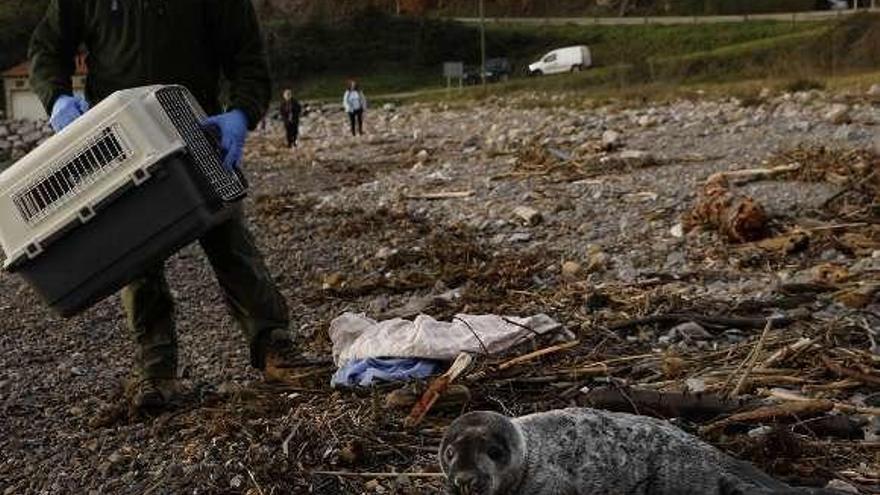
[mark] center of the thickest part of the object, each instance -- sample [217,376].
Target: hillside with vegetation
[394,54]
[17,20]
[324,43]
[307,8]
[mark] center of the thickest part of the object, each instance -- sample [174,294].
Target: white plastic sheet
[355,336]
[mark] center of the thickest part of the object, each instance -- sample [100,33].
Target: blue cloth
[363,372]
[65,110]
[233,128]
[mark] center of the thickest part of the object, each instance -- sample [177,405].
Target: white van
[568,59]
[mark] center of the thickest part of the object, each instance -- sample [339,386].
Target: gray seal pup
[590,452]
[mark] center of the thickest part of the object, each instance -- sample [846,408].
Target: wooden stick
[826,444]
[793,409]
[349,474]
[437,388]
[442,195]
[837,226]
[753,359]
[752,174]
[838,406]
[839,385]
[662,404]
[849,187]
[540,353]
[846,372]
[786,352]
[705,320]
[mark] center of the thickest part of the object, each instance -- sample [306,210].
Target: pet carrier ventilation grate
[176,103]
[54,187]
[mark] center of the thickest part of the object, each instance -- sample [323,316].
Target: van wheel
[576,68]
[536,73]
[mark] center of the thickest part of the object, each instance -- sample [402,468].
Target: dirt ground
[345,226]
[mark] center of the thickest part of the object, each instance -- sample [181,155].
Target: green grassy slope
[395,55]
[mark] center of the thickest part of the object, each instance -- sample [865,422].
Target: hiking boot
[285,364]
[151,393]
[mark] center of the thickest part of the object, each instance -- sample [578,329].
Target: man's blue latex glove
[65,110]
[233,128]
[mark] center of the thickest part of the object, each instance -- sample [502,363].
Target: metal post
[482,43]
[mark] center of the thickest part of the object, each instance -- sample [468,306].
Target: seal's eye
[495,453]
[449,453]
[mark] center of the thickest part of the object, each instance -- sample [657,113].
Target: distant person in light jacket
[355,104]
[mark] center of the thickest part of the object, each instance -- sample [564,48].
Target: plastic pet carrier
[122,188]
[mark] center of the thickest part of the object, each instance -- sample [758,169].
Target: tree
[417,8]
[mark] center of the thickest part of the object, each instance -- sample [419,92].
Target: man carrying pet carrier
[195,43]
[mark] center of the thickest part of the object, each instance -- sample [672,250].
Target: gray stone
[691,331]
[801,126]
[528,215]
[850,133]
[4,130]
[838,114]
[874,90]
[32,137]
[840,485]
[611,139]
[865,265]
[472,142]
[647,121]
[26,127]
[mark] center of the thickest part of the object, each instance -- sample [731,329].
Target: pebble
[520,237]
[838,114]
[611,139]
[237,482]
[571,269]
[842,486]
[598,262]
[529,215]
[849,133]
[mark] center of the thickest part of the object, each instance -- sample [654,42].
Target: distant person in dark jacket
[355,104]
[290,113]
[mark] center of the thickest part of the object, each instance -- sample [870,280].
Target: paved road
[667,20]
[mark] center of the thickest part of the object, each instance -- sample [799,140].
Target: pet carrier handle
[212,133]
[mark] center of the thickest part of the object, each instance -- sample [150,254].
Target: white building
[21,102]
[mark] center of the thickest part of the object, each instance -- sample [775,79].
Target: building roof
[23,69]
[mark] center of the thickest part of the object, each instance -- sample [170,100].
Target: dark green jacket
[134,43]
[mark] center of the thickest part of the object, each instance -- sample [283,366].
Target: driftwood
[849,373]
[796,410]
[786,352]
[535,355]
[789,243]
[704,320]
[752,360]
[405,398]
[438,387]
[740,177]
[736,216]
[834,425]
[842,407]
[441,195]
[693,406]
